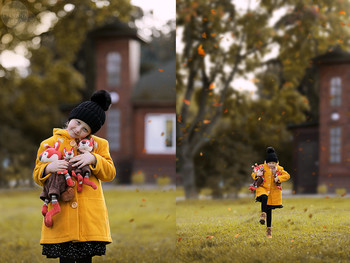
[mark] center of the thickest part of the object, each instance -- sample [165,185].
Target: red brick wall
[154,165]
[334,175]
[103,47]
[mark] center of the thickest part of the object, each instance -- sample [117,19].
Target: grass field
[305,230]
[142,223]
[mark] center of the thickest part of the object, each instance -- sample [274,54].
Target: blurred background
[54,54]
[253,74]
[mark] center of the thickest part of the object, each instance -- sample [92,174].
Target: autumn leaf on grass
[179,239]
[206,121]
[201,50]
[208,237]
[131,220]
[143,200]
[237,235]
[342,12]
[213,11]
[310,216]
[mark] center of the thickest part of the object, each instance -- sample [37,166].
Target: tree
[222,42]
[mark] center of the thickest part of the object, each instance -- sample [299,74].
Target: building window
[335,145]
[113,129]
[160,133]
[335,91]
[114,61]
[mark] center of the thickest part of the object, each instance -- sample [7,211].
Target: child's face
[78,129]
[272,165]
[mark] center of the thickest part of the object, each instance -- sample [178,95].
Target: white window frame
[156,133]
[113,69]
[335,91]
[335,145]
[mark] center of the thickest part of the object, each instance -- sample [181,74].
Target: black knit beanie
[271,155]
[93,112]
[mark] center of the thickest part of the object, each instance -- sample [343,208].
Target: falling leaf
[225,111]
[324,227]
[161,70]
[143,200]
[213,34]
[187,102]
[327,197]
[292,241]
[201,154]
[201,50]
[217,104]
[143,150]
[213,11]
[292,207]
[206,121]
[342,23]
[259,118]
[237,235]
[310,216]
[229,209]
[254,80]
[131,220]
[209,237]
[211,86]
[179,118]
[342,12]
[162,134]
[204,35]
[342,195]
[155,175]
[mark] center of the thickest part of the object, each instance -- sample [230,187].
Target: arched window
[335,91]
[114,62]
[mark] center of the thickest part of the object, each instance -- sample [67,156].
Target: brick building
[140,124]
[322,148]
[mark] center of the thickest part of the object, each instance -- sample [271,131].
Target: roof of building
[116,28]
[333,55]
[157,86]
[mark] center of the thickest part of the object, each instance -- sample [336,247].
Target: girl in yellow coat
[269,193]
[80,230]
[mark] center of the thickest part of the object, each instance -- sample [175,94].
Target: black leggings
[82,260]
[266,209]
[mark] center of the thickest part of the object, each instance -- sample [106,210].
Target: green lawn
[305,230]
[142,224]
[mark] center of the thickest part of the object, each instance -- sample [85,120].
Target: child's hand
[56,166]
[83,159]
[276,179]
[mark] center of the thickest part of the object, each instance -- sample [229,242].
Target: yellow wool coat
[85,217]
[269,187]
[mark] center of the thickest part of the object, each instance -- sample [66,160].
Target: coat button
[73,183]
[74,205]
[73,143]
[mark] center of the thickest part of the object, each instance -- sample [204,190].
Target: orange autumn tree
[220,41]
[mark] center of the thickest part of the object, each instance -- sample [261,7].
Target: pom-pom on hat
[93,112]
[271,155]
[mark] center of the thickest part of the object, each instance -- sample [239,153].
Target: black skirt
[75,250]
[258,199]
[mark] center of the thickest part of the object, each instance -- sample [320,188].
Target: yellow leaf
[204,35]
[211,86]
[206,121]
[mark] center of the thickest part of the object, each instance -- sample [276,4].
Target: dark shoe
[262,218]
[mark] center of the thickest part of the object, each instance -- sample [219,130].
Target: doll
[56,186]
[259,169]
[85,145]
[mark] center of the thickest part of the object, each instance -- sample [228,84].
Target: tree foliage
[223,41]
